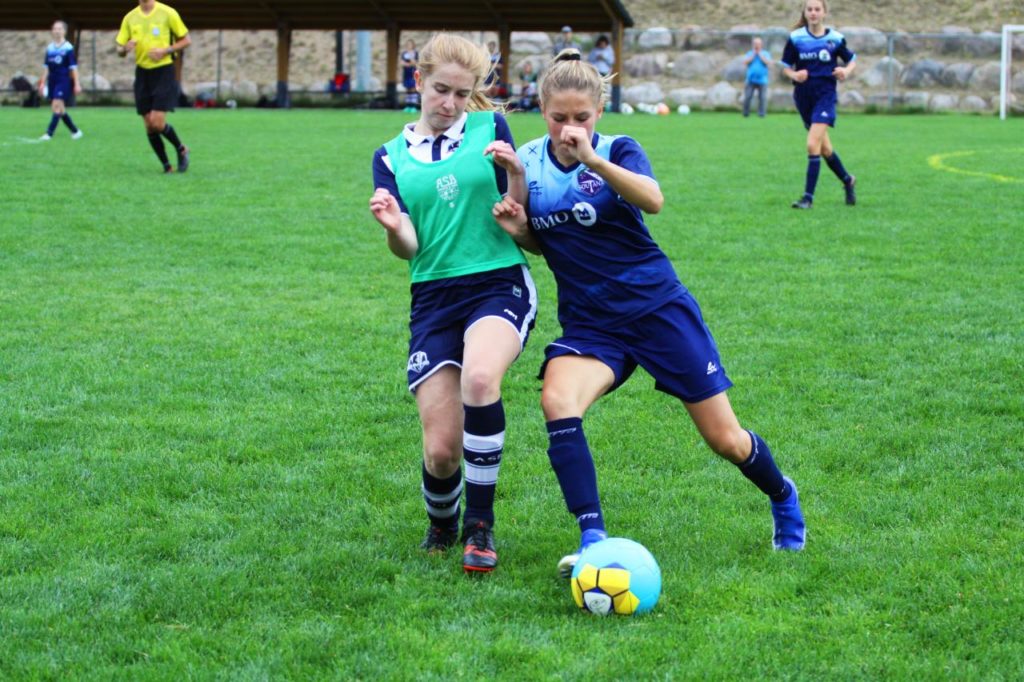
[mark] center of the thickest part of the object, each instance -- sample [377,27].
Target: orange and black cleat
[479,555]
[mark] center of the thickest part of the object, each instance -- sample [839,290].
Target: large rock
[245,89]
[645,93]
[775,38]
[691,65]
[531,42]
[657,38]
[943,102]
[917,100]
[735,71]
[955,38]
[957,75]
[101,84]
[646,65]
[986,77]
[740,37]
[851,98]
[694,38]
[922,74]
[904,43]
[721,94]
[985,44]
[878,75]
[974,103]
[865,40]
[687,96]
[1018,82]
[780,99]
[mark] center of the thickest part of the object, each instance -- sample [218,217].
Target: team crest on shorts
[418,361]
[448,188]
[590,182]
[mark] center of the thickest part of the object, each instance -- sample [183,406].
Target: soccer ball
[683,109]
[626,108]
[616,576]
[661,109]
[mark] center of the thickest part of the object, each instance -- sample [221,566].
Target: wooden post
[618,30]
[394,34]
[284,51]
[505,48]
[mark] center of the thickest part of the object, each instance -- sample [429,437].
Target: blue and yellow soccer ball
[616,576]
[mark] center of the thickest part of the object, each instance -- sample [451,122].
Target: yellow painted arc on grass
[938,162]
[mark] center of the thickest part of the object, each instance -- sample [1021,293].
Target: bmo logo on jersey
[585,214]
[822,55]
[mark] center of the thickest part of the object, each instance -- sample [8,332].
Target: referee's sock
[172,137]
[68,122]
[52,128]
[837,167]
[761,470]
[158,146]
[813,168]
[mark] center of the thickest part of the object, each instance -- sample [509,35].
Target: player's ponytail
[446,48]
[802,22]
[567,71]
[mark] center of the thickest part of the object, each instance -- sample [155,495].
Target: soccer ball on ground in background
[661,109]
[683,109]
[616,576]
[626,108]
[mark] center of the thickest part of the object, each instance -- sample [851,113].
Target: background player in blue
[410,57]
[473,301]
[61,78]
[620,302]
[811,59]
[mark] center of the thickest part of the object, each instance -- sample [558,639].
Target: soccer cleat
[479,555]
[168,169]
[183,158]
[568,562]
[439,539]
[803,203]
[790,532]
[851,196]
[77,135]
[45,137]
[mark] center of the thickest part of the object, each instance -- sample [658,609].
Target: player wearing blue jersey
[60,79]
[410,56]
[473,301]
[620,302]
[811,60]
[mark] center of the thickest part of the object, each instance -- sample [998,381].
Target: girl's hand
[78,88]
[505,156]
[840,73]
[511,216]
[577,142]
[385,209]
[800,76]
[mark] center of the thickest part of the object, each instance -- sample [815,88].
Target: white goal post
[1005,77]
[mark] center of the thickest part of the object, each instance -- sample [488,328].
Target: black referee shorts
[155,89]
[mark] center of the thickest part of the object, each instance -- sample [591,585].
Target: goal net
[1008,100]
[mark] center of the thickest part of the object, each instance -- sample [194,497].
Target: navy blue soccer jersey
[818,54]
[427,149]
[608,268]
[60,60]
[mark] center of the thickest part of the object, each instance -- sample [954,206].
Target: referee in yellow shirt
[154,33]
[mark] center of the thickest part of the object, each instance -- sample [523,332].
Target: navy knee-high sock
[69,123]
[483,440]
[574,466]
[760,468]
[52,128]
[813,168]
[158,146]
[837,167]
[441,497]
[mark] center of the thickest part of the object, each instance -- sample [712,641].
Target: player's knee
[442,456]
[480,385]
[732,444]
[558,403]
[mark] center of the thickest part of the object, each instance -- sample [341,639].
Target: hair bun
[568,55]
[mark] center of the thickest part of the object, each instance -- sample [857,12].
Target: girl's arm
[637,189]
[401,234]
[42,81]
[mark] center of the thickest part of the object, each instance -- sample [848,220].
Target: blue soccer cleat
[568,562]
[790,532]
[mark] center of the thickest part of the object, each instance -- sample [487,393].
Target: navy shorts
[59,88]
[672,343]
[408,79]
[816,102]
[155,89]
[443,310]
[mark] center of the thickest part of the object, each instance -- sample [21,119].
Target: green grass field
[209,463]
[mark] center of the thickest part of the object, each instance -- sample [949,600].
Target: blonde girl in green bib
[473,301]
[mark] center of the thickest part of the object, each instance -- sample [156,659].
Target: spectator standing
[565,41]
[757,61]
[410,61]
[527,87]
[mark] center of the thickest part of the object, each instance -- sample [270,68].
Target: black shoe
[183,156]
[439,538]
[804,202]
[851,196]
[479,555]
